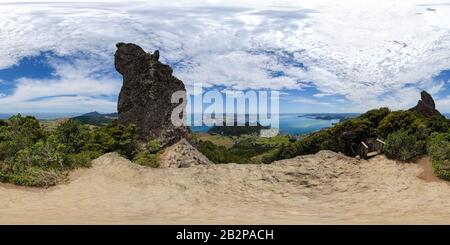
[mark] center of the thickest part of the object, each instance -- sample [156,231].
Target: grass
[216,139]
[240,149]
[277,140]
[51,124]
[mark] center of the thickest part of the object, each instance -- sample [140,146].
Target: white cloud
[311,102]
[75,89]
[64,104]
[371,52]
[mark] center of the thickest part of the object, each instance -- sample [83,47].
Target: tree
[114,137]
[438,146]
[403,146]
[72,134]
[375,116]
[396,120]
[18,133]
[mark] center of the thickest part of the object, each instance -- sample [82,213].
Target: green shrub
[19,133]
[82,159]
[3,123]
[442,168]
[375,116]
[438,124]
[396,120]
[73,135]
[31,156]
[34,176]
[438,146]
[402,146]
[153,146]
[114,138]
[149,156]
[266,157]
[216,153]
[145,158]
[245,149]
[344,137]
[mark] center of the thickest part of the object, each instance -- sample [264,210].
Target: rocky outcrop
[145,97]
[426,106]
[182,155]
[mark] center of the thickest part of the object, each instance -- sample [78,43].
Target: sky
[322,55]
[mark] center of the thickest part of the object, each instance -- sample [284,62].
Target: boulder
[182,155]
[145,97]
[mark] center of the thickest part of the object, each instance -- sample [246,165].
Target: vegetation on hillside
[96,119]
[33,156]
[237,130]
[149,156]
[405,134]
[245,149]
[439,152]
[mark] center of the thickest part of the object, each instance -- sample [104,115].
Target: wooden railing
[363,150]
[378,145]
[372,148]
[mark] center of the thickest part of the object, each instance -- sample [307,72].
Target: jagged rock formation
[426,106]
[182,155]
[145,97]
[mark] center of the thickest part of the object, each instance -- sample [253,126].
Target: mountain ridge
[95,118]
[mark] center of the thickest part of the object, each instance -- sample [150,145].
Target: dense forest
[31,155]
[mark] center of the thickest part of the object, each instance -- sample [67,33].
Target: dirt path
[428,173]
[316,189]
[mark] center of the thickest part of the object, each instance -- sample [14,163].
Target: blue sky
[323,56]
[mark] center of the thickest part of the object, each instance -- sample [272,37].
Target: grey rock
[184,164]
[145,97]
[426,106]
[182,155]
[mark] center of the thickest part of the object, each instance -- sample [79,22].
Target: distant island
[237,130]
[331,116]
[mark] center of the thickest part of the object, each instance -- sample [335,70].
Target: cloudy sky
[323,55]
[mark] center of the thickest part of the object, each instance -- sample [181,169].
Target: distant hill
[331,116]
[237,130]
[41,115]
[95,118]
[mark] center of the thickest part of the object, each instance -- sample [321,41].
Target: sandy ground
[326,188]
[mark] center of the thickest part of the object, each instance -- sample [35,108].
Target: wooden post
[363,150]
[379,145]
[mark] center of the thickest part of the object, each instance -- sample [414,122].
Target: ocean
[298,124]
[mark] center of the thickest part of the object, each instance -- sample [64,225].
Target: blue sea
[301,124]
[295,124]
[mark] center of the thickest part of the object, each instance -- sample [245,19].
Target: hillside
[237,130]
[96,119]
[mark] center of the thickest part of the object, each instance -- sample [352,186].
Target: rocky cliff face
[145,97]
[426,106]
